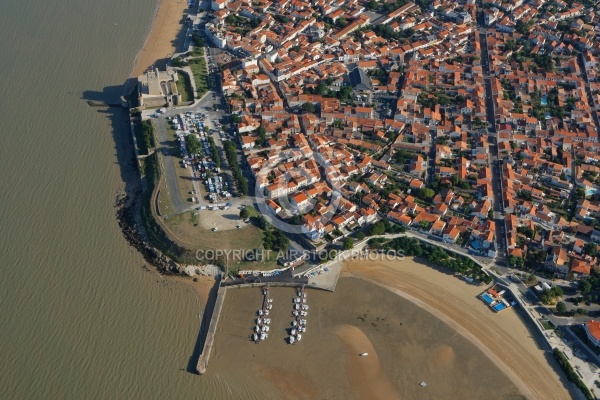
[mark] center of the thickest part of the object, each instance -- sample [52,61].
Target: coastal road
[166,159]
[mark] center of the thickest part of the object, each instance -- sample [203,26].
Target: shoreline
[497,335]
[159,43]
[525,391]
[161,38]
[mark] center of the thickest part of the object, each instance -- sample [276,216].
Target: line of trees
[572,376]
[414,247]
[230,153]
[215,152]
[148,132]
[273,238]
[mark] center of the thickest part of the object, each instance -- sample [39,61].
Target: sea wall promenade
[211,331]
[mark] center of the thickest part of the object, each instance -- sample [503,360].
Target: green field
[198,66]
[184,87]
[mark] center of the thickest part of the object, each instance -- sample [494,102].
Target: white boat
[303,313]
[364,354]
[263,336]
[303,322]
[423,384]
[291,339]
[293,332]
[266,312]
[294,323]
[260,312]
[298,337]
[266,328]
[297,306]
[304,295]
[267,321]
[259,320]
[269,306]
[296,299]
[302,329]
[257,328]
[305,307]
[295,313]
[255,337]
[270,300]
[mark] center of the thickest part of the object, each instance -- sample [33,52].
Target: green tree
[591,249]
[244,213]
[308,107]
[585,287]
[262,136]
[341,22]
[361,235]
[348,244]
[377,229]
[428,193]
[561,307]
[193,144]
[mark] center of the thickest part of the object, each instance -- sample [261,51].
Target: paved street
[495,164]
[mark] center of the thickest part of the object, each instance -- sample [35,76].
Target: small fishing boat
[364,354]
[291,339]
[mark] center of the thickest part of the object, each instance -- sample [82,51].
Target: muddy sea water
[80,318]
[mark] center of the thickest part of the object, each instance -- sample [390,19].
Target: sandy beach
[502,336]
[160,43]
[406,346]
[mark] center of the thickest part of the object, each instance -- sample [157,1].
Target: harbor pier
[211,331]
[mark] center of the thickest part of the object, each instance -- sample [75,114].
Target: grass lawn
[546,324]
[165,206]
[184,87]
[198,51]
[187,234]
[198,66]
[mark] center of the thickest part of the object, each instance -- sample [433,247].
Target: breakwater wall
[211,331]
[276,284]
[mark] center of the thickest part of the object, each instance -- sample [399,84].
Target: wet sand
[406,345]
[503,336]
[160,41]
